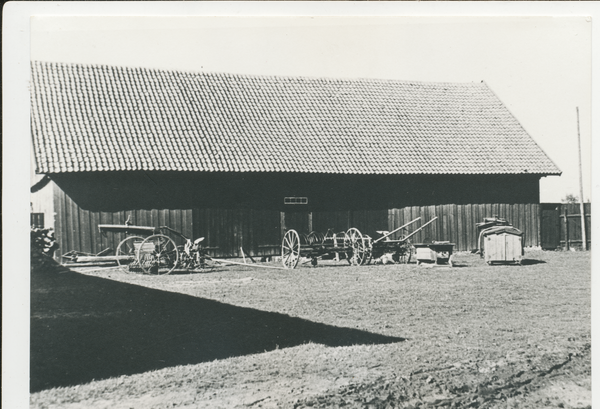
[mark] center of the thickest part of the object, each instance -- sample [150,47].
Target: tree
[570,198]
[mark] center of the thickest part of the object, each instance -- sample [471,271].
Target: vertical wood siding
[560,232]
[77,228]
[570,231]
[227,231]
[457,223]
[258,232]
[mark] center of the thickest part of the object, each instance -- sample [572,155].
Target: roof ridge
[305,77]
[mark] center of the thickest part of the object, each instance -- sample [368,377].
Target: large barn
[239,159]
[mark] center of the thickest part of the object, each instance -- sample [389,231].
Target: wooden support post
[566,223]
[582,207]
[539,225]
[282,223]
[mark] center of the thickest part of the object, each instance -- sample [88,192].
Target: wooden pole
[395,230]
[581,206]
[420,228]
[216,260]
[566,222]
[100,259]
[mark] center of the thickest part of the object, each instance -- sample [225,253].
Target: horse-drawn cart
[349,245]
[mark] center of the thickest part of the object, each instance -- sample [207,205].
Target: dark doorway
[550,228]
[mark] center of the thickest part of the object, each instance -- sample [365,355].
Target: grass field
[331,336]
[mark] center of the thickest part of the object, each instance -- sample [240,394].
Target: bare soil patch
[371,336]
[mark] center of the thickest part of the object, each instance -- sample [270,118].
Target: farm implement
[151,250]
[349,245]
[400,248]
[357,248]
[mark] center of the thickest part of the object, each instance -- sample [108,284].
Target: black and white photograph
[292,211]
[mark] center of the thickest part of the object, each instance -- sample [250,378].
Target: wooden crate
[503,247]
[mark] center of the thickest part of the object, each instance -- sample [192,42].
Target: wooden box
[504,246]
[425,254]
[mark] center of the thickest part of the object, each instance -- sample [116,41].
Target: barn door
[550,227]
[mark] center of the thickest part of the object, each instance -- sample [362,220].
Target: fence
[561,225]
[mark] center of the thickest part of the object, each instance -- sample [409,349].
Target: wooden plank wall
[225,230]
[335,220]
[570,231]
[77,228]
[457,223]
[367,221]
[258,232]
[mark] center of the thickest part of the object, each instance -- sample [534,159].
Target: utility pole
[581,206]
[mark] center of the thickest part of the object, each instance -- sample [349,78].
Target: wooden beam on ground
[100,259]
[244,264]
[96,264]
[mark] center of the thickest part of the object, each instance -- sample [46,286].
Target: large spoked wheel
[127,252]
[357,250]
[290,249]
[158,255]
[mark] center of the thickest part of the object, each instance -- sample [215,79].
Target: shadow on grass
[85,328]
[530,262]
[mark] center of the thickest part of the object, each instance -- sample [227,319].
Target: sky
[540,67]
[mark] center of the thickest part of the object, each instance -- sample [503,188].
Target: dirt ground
[381,336]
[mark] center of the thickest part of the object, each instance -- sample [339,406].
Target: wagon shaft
[385,236]
[401,249]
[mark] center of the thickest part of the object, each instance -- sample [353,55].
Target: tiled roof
[104,118]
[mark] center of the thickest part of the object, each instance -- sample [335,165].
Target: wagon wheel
[126,251]
[368,249]
[158,255]
[357,252]
[290,249]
